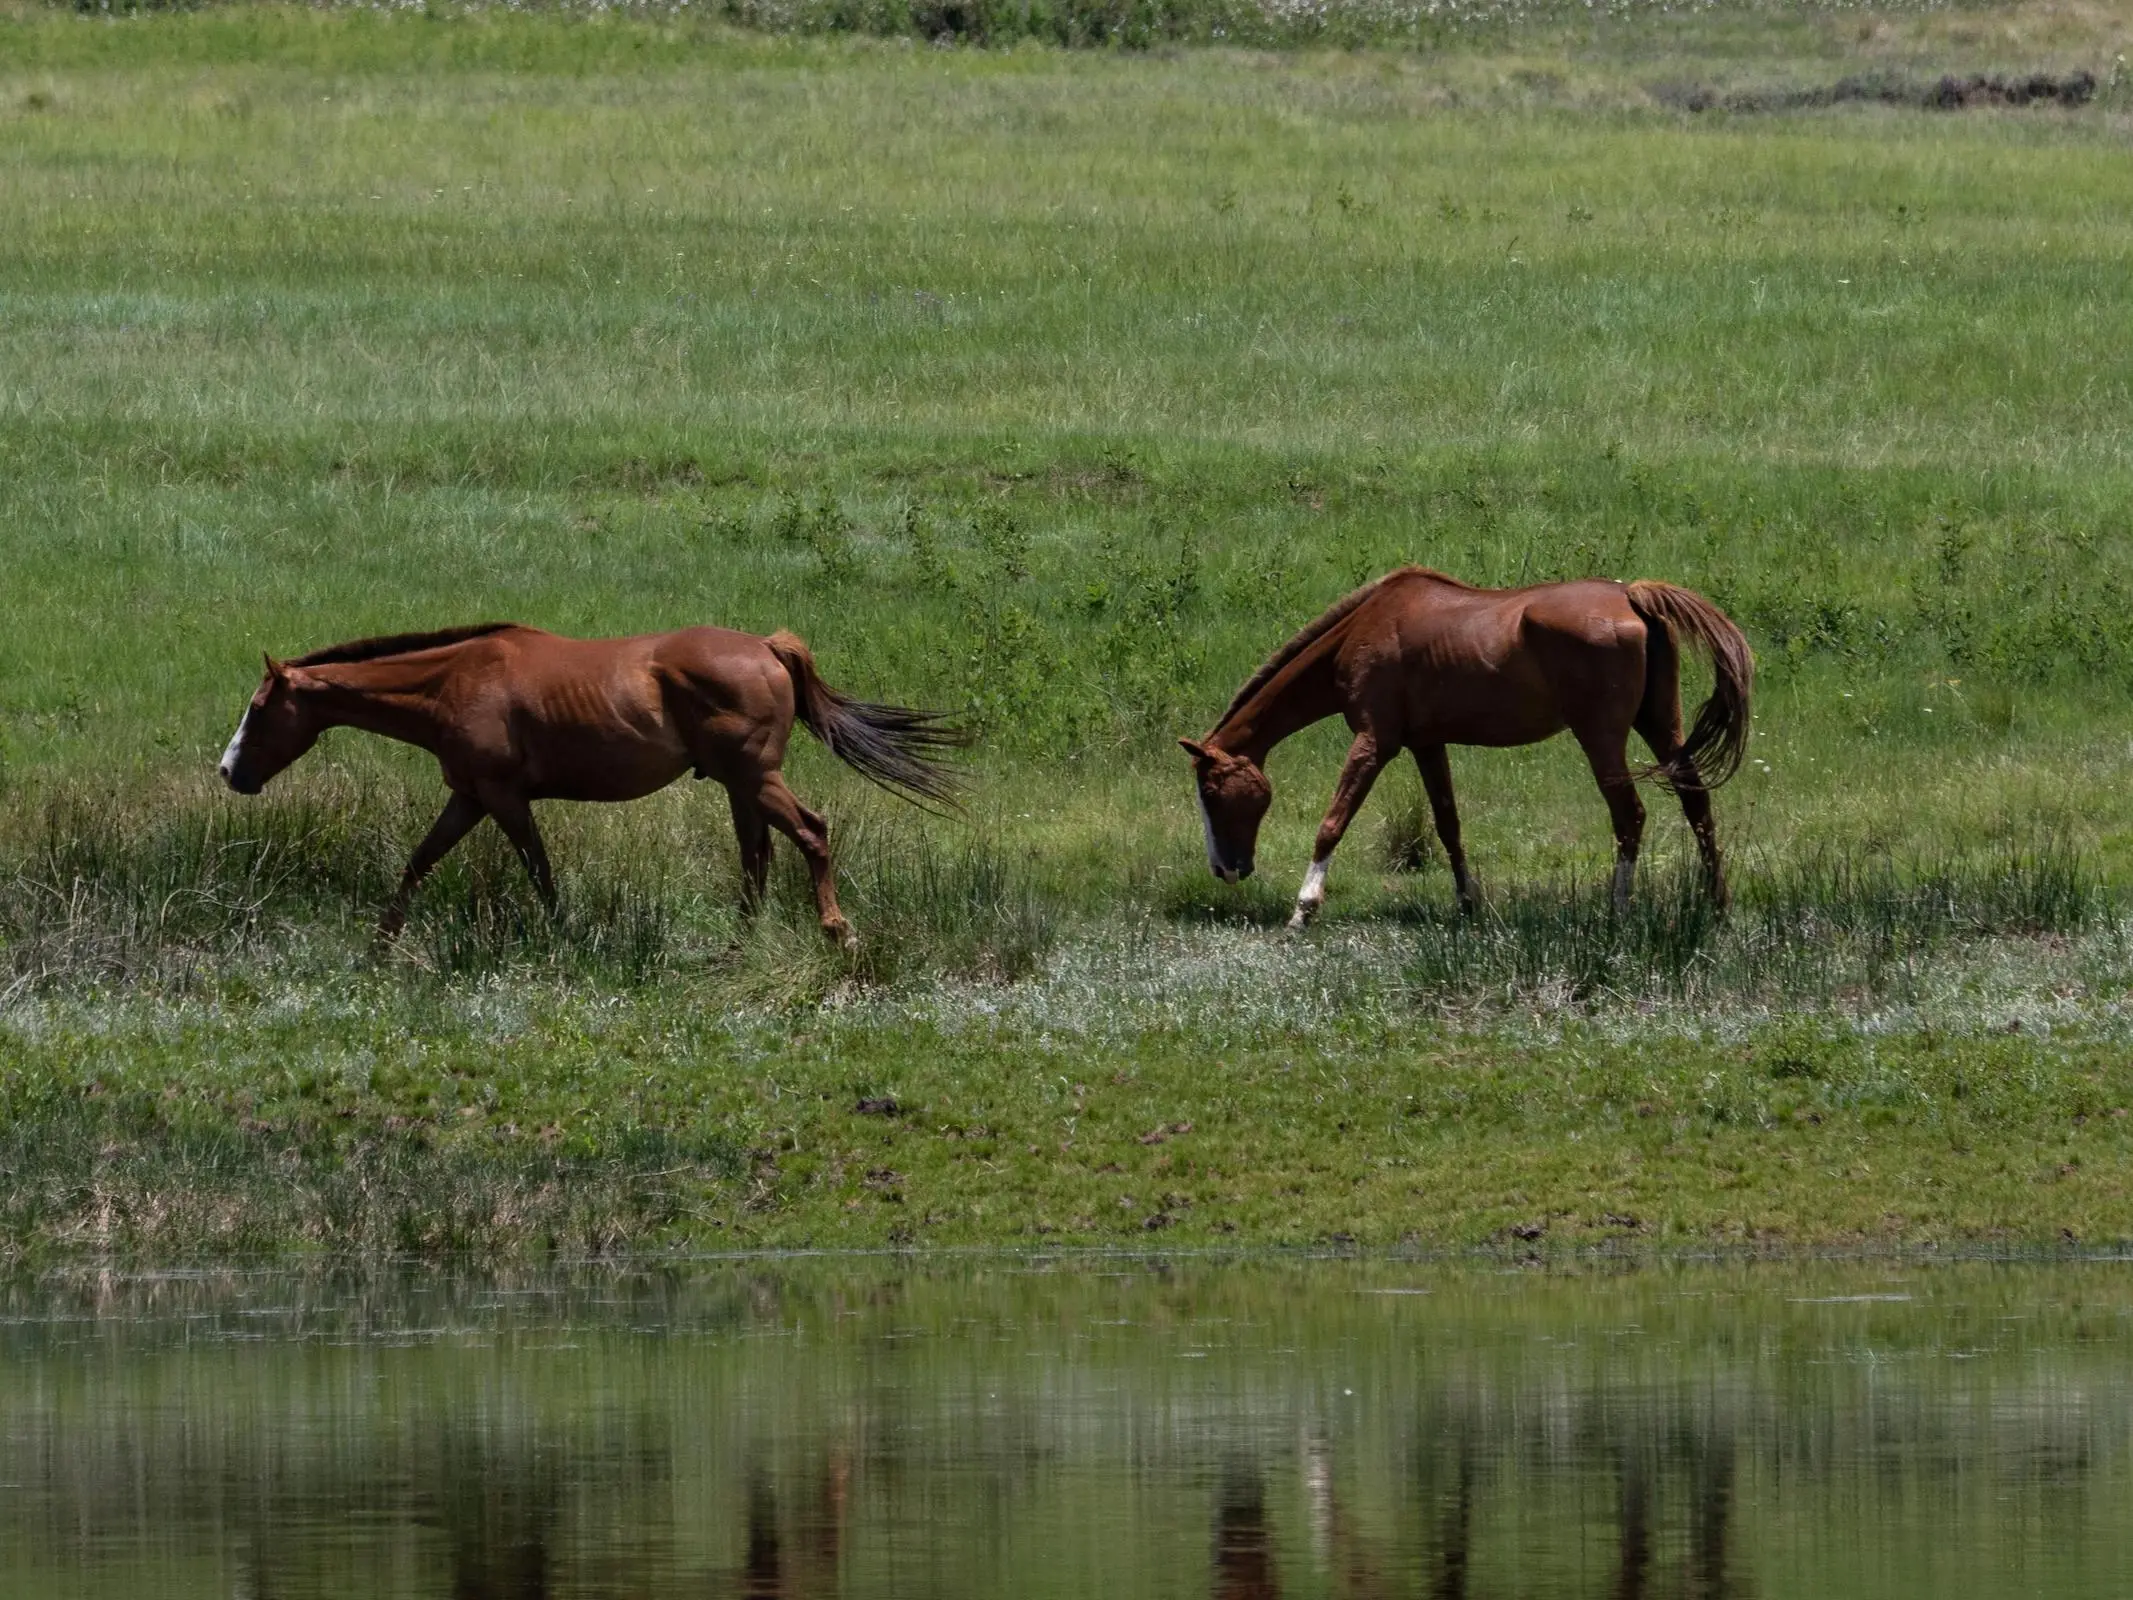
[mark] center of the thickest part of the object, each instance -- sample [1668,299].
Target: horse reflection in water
[1710,1485]
[1649,1481]
[1244,1547]
[499,1502]
[780,1568]
[1245,1556]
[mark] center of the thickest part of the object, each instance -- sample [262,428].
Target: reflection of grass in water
[1515,1422]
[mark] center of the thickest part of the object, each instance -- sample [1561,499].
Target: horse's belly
[597,771]
[609,787]
[1496,726]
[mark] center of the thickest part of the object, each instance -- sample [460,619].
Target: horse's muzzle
[228,775]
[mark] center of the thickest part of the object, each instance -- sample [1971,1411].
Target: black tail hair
[893,746]
[1719,738]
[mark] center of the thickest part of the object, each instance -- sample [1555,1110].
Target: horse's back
[1449,623]
[1508,666]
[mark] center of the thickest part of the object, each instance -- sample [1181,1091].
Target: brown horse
[1418,661]
[514,715]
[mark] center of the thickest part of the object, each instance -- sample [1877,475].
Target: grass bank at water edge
[1055,387]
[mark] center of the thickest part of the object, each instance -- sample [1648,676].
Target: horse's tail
[1719,738]
[893,746]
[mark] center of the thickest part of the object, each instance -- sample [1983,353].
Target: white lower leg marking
[1311,896]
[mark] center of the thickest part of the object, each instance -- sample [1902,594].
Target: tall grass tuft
[1830,928]
[131,1172]
[104,891]
[94,891]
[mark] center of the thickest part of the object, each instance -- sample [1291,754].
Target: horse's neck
[1302,693]
[391,697]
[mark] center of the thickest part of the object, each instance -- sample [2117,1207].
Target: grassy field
[1057,386]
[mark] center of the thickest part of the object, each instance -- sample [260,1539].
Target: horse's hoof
[1300,921]
[841,934]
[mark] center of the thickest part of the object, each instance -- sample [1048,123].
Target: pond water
[1089,1427]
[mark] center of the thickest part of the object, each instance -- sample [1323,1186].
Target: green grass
[1057,387]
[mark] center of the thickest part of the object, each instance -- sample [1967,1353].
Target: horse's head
[277,727]
[1234,795]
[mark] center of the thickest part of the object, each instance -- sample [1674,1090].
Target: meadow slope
[1056,387]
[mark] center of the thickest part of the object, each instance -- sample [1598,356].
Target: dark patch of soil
[2039,88]
[1948,93]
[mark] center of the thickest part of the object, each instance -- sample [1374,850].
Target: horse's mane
[1316,629]
[397,644]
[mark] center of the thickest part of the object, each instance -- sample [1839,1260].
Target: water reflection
[803,1562]
[1244,1555]
[498,1504]
[1259,1431]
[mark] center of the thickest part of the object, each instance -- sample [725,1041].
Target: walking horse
[1419,661]
[514,715]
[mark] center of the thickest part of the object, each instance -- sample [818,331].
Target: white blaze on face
[236,745]
[1207,828]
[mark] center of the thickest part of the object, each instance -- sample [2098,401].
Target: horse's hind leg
[752,832]
[1366,759]
[453,824]
[782,809]
[1609,754]
[1437,783]
[1659,724]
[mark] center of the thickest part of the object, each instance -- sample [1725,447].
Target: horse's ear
[274,668]
[1195,749]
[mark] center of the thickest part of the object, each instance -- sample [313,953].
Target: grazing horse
[514,715]
[1418,661]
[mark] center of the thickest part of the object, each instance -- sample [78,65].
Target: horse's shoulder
[1421,586]
[1430,577]
[503,634]
[513,643]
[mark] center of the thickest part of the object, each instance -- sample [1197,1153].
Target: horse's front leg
[1437,783]
[1366,759]
[515,817]
[460,814]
